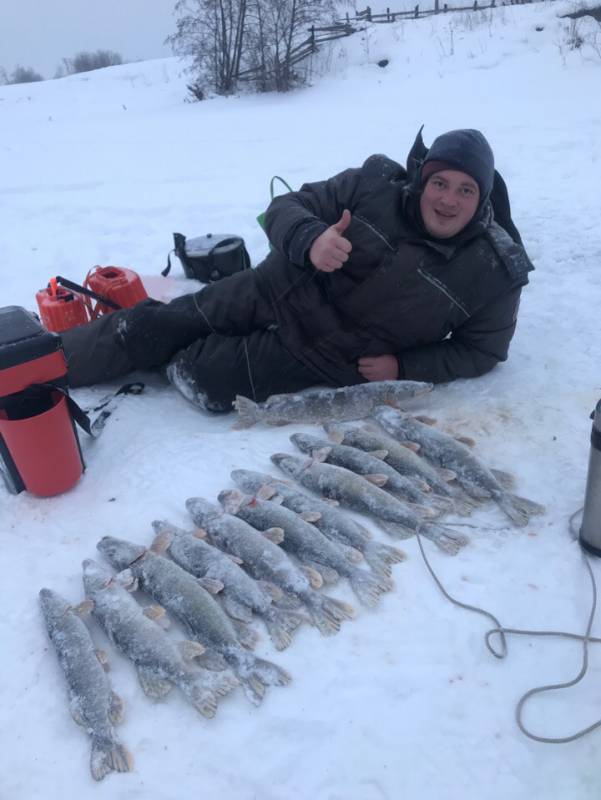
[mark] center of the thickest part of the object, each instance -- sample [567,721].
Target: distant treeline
[84,61]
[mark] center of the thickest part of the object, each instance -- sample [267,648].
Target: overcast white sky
[39,33]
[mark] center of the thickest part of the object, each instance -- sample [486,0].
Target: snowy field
[405,702]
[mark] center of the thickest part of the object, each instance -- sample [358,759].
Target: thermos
[590,531]
[39,448]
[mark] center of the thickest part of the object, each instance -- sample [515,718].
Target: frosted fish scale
[332,521]
[88,684]
[299,536]
[439,447]
[346,403]
[363,464]
[399,458]
[201,558]
[136,636]
[264,559]
[180,592]
[354,491]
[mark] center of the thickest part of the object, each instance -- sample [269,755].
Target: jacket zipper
[441,288]
[374,230]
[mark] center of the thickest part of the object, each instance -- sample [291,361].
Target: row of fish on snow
[264,551]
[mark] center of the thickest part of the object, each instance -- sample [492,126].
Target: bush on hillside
[24,75]
[86,61]
[257,42]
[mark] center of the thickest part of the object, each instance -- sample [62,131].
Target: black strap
[94,427]
[75,287]
[167,269]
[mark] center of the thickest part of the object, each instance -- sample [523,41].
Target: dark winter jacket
[446,308]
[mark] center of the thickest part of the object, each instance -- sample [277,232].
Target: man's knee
[152,332]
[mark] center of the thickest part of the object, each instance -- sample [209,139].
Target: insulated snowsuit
[445,308]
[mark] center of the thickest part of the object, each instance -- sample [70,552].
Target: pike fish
[356,493]
[379,444]
[92,703]
[205,621]
[160,663]
[321,405]
[241,594]
[445,451]
[266,561]
[376,471]
[307,543]
[332,522]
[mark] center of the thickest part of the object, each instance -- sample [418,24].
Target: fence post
[416,12]
[312,32]
[475,5]
[368,14]
[436,6]
[387,13]
[445,8]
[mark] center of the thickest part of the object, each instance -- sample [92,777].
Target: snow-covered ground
[405,702]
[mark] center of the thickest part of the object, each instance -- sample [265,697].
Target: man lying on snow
[376,274]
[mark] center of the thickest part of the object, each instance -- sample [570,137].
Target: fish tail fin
[327,613]
[381,556]
[256,674]
[444,538]
[529,506]
[463,507]
[203,700]
[396,529]
[109,756]
[518,509]
[204,691]
[443,504]
[280,625]
[271,674]
[369,587]
[253,688]
[248,412]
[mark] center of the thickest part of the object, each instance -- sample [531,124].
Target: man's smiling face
[448,202]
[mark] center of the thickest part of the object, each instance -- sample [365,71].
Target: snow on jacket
[446,308]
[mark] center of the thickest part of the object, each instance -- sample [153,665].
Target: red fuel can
[120,285]
[39,447]
[60,308]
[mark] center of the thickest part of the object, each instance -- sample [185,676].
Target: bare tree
[86,61]
[212,33]
[280,34]
[257,40]
[24,75]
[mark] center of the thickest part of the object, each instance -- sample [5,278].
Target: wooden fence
[354,24]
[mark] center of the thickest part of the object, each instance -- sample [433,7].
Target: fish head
[335,432]
[247,480]
[292,465]
[53,606]
[201,511]
[95,576]
[232,499]
[119,552]
[395,393]
[252,482]
[307,442]
[400,419]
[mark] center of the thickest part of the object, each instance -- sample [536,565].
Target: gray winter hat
[468,151]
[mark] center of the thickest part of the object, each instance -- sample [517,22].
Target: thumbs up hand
[330,250]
